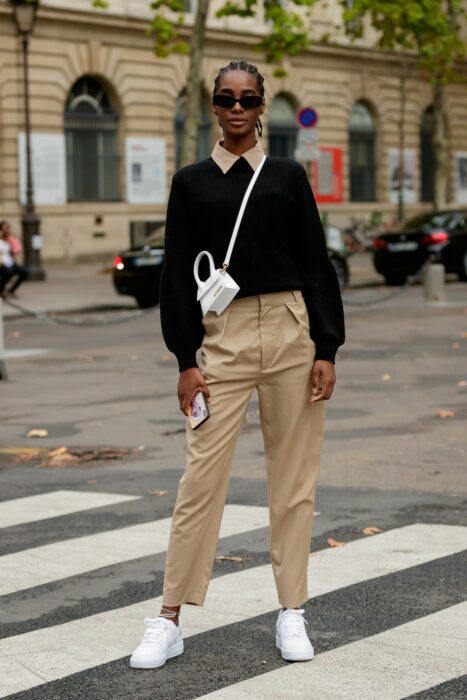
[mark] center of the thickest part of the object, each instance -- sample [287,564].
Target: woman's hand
[323,377]
[190,381]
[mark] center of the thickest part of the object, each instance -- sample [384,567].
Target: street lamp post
[24,12]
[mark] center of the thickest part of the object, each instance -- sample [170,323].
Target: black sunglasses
[246,102]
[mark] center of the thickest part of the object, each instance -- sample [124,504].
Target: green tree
[287,36]
[432,31]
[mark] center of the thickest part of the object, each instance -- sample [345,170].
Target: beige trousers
[260,342]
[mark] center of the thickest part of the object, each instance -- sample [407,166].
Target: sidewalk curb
[98,308]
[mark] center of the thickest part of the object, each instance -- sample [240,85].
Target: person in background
[10,269]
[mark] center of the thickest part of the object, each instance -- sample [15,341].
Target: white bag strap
[240,214]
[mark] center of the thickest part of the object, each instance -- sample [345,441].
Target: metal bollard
[3,372]
[433,282]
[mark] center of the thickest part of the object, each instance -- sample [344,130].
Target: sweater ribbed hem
[186,360]
[326,351]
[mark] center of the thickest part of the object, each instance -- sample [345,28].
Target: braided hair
[248,68]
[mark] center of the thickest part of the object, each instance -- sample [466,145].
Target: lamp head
[25,15]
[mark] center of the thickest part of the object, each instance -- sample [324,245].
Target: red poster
[327,175]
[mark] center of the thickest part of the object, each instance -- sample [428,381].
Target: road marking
[388,666]
[54,504]
[51,562]
[45,655]
[19,353]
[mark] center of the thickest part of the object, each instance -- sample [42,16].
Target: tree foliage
[431,28]
[287,35]
[165,30]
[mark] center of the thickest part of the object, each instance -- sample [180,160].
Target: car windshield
[156,238]
[441,219]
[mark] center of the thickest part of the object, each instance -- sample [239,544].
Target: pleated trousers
[259,342]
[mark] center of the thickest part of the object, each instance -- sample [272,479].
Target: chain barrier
[85,322]
[411,279]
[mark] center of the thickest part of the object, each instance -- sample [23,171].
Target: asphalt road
[387,612]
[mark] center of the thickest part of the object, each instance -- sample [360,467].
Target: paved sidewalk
[70,288]
[89,287]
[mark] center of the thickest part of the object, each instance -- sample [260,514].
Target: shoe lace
[293,620]
[155,629]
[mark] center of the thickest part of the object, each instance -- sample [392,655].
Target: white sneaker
[162,640]
[291,636]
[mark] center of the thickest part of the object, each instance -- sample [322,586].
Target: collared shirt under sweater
[280,245]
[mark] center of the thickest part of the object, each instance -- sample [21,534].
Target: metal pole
[433,282]
[31,223]
[3,372]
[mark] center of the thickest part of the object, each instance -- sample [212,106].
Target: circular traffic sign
[307,117]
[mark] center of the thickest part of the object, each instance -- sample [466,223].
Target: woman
[279,335]
[10,247]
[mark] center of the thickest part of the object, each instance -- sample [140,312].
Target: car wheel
[462,274]
[146,302]
[341,271]
[395,280]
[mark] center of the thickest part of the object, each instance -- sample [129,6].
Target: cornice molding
[216,36]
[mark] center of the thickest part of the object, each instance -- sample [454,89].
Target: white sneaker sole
[294,655]
[173,651]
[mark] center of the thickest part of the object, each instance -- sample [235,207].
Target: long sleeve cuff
[326,350]
[186,360]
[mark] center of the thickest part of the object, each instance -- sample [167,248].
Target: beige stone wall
[325,18]
[144,90]
[113,47]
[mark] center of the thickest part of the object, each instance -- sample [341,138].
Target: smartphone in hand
[199,410]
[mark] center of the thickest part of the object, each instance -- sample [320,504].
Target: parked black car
[441,237]
[137,271]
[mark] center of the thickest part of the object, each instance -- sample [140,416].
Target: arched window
[427,156]
[91,129]
[362,149]
[282,127]
[204,130]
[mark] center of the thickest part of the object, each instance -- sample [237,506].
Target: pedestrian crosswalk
[19,511]
[41,565]
[393,664]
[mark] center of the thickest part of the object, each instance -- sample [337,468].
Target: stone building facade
[99,94]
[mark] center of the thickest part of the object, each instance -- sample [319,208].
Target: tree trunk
[193,92]
[440,148]
[402,109]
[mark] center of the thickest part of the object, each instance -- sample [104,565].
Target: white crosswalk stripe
[54,504]
[40,565]
[33,658]
[386,666]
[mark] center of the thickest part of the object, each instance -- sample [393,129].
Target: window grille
[282,127]
[362,149]
[91,131]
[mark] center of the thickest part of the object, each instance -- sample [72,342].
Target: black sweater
[280,246]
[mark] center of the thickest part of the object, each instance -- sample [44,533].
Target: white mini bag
[217,291]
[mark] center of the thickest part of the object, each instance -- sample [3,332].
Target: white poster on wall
[460,164]
[146,170]
[409,175]
[48,168]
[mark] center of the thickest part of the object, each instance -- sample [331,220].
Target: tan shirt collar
[225,159]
